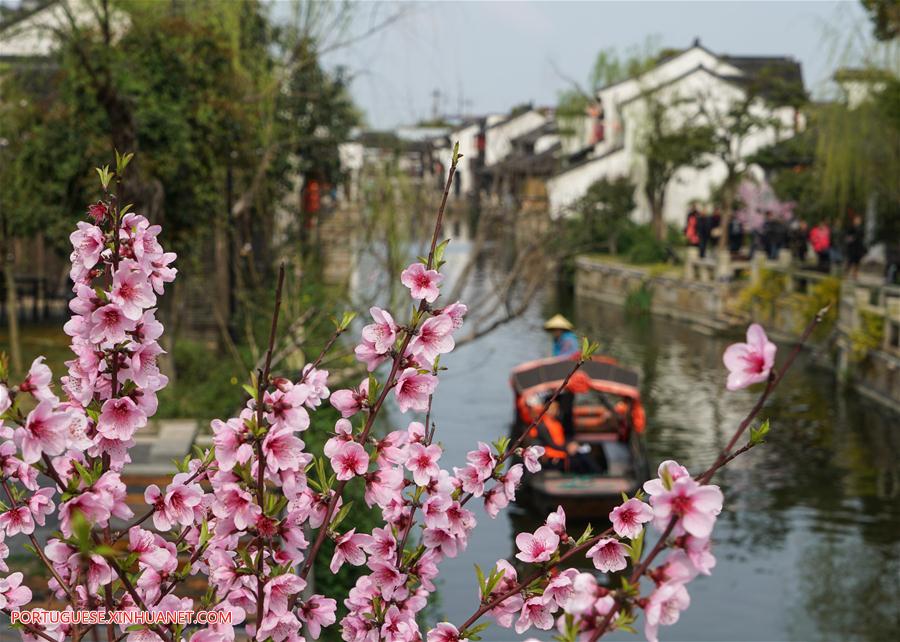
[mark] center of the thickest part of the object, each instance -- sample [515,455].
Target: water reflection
[809,542]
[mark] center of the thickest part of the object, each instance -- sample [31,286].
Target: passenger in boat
[561,453]
[565,343]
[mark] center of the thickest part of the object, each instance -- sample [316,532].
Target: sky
[490,56]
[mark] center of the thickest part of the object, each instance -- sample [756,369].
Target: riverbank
[859,338]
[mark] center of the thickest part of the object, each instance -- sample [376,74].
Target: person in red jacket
[820,239]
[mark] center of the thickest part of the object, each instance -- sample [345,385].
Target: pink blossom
[495,500]
[510,481]
[698,552]
[44,433]
[120,418]
[382,544]
[288,407]
[177,505]
[422,463]
[317,612]
[608,555]
[229,439]
[534,613]
[696,506]
[317,381]
[422,283]
[750,362]
[16,520]
[560,588]
[383,332]
[368,354]
[350,402]
[38,381]
[96,508]
[343,432]
[432,339]
[88,244]
[671,469]
[386,577]
[161,273]
[279,589]
[482,460]
[456,312]
[538,547]
[348,548]
[97,211]
[531,457]
[351,459]
[40,505]
[413,390]
[283,450]
[280,627]
[13,595]
[5,401]
[235,503]
[556,521]
[99,573]
[131,291]
[443,632]
[664,607]
[471,478]
[628,518]
[110,324]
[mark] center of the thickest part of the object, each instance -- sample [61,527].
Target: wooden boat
[607,415]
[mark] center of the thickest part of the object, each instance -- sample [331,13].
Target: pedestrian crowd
[830,244]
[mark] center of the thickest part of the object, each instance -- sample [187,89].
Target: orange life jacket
[557,434]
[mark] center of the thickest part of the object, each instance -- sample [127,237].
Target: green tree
[885,17]
[602,214]
[665,148]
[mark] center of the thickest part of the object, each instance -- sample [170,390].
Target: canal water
[808,545]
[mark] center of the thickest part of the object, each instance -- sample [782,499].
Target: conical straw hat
[558,322]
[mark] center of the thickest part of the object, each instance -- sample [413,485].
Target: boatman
[562,453]
[565,343]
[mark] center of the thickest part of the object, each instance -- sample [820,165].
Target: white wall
[688,184]
[34,37]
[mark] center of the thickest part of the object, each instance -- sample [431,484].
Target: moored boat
[604,415]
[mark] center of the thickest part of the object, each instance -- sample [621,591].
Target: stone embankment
[860,338]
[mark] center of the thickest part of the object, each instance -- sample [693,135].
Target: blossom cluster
[575,602]
[252,513]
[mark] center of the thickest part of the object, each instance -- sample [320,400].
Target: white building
[688,81]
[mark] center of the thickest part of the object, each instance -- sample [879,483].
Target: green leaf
[439,253]
[342,514]
[373,389]
[456,154]
[472,633]
[81,530]
[494,579]
[637,546]
[251,390]
[346,320]
[122,161]
[585,536]
[482,585]
[758,435]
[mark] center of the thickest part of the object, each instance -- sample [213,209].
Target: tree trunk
[12,314]
[727,213]
[657,224]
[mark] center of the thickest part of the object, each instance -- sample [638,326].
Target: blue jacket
[566,345]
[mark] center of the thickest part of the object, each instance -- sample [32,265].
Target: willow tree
[858,133]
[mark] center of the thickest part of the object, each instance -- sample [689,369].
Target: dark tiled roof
[544,163]
[531,137]
[776,77]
